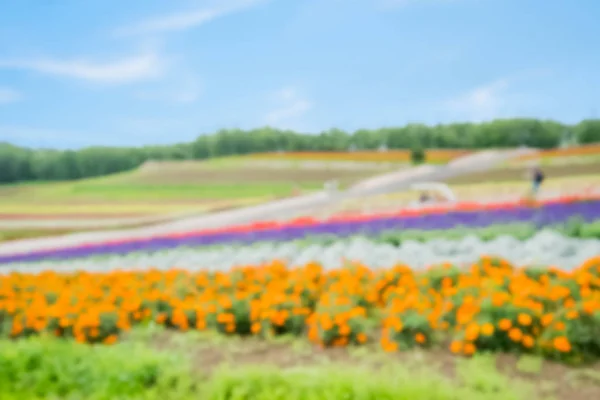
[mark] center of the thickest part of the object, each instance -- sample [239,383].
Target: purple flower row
[541,216]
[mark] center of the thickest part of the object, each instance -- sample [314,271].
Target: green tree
[20,164]
[417,155]
[588,131]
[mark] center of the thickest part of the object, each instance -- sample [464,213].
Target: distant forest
[19,164]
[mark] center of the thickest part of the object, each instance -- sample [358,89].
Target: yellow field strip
[109,208]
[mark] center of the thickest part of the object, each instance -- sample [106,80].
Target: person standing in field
[537,177]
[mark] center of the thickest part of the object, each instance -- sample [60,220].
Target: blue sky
[111,72]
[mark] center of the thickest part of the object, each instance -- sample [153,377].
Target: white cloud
[187,19]
[184,91]
[291,106]
[295,109]
[481,103]
[9,95]
[136,68]
[285,94]
[504,97]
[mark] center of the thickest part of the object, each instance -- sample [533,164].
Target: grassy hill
[168,190]
[175,189]
[195,186]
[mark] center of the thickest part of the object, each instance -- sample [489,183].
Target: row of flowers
[431,155]
[433,218]
[490,306]
[587,150]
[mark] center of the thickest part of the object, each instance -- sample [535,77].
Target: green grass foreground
[48,368]
[52,369]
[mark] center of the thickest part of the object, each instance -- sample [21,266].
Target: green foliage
[574,226]
[49,368]
[588,131]
[334,383]
[520,231]
[480,374]
[582,332]
[590,230]
[21,164]
[417,155]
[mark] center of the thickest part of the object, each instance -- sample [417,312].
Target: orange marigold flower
[469,349]
[547,319]
[111,339]
[498,299]
[161,318]
[559,326]
[255,328]
[456,346]
[487,329]
[572,314]
[420,338]
[524,319]
[562,344]
[361,337]
[586,292]
[225,318]
[472,332]
[528,341]
[396,323]
[505,324]
[313,333]
[569,303]
[515,335]
[344,330]
[326,322]
[589,307]
[388,345]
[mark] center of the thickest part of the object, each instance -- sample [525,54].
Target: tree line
[19,164]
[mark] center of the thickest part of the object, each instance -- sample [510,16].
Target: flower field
[459,284]
[489,306]
[589,150]
[519,244]
[437,156]
[470,215]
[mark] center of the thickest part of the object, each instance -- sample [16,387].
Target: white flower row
[545,248]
